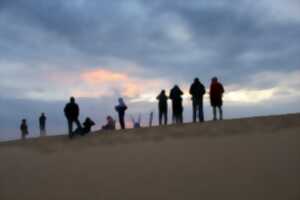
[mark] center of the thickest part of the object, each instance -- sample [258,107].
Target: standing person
[72,113]
[24,129]
[162,107]
[175,96]
[197,90]
[216,95]
[121,108]
[42,123]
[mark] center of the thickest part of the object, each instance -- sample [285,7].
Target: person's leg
[160,117]
[194,111]
[78,123]
[215,112]
[41,131]
[221,112]
[70,126]
[45,132]
[166,117]
[181,118]
[200,112]
[122,121]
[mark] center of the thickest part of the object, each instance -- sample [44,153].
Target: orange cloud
[103,82]
[100,76]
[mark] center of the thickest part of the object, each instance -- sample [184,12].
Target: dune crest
[251,158]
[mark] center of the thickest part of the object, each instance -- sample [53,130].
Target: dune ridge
[250,158]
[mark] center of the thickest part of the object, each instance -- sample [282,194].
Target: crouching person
[87,125]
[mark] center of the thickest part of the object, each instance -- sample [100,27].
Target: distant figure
[162,107]
[72,113]
[151,119]
[24,129]
[216,95]
[136,124]
[175,96]
[110,124]
[42,123]
[121,108]
[87,125]
[197,90]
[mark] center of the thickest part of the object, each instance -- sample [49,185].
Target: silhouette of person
[110,124]
[24,129]
[162,107]
[72,113]
[216,95]
[197,90]
[136,124]
[175,96]
[121,108]
[42,124]
[87,125]
[151,119]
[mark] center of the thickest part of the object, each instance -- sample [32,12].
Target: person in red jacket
[216,95]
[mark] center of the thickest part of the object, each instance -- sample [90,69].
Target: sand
[255,158]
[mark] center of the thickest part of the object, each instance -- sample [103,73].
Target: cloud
[99,82]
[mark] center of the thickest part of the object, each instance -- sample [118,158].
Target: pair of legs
[163,114]
[198,107]
[23,136]
[122,121]
[70,126]
[177,118]
[42,130]
[177,112]
[220,112]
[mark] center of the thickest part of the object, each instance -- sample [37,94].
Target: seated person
[87,125]
[136,124]
[110,125]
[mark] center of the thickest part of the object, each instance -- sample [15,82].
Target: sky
[99,50]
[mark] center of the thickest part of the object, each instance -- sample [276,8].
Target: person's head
[163,92]
[43,114]
[196,80]
[214,80]
[23,121]
[109,119]
[121,101]
[72,99]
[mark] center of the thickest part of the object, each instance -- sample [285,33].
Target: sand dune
[255,158]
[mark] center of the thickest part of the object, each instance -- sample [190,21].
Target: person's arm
[158,97]
[77,109]
[222,89]
[191,90]
[203,90]
[181,93]
[65,110]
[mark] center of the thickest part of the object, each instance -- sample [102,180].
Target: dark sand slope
[256,158]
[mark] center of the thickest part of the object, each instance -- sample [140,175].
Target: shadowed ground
[255,158]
